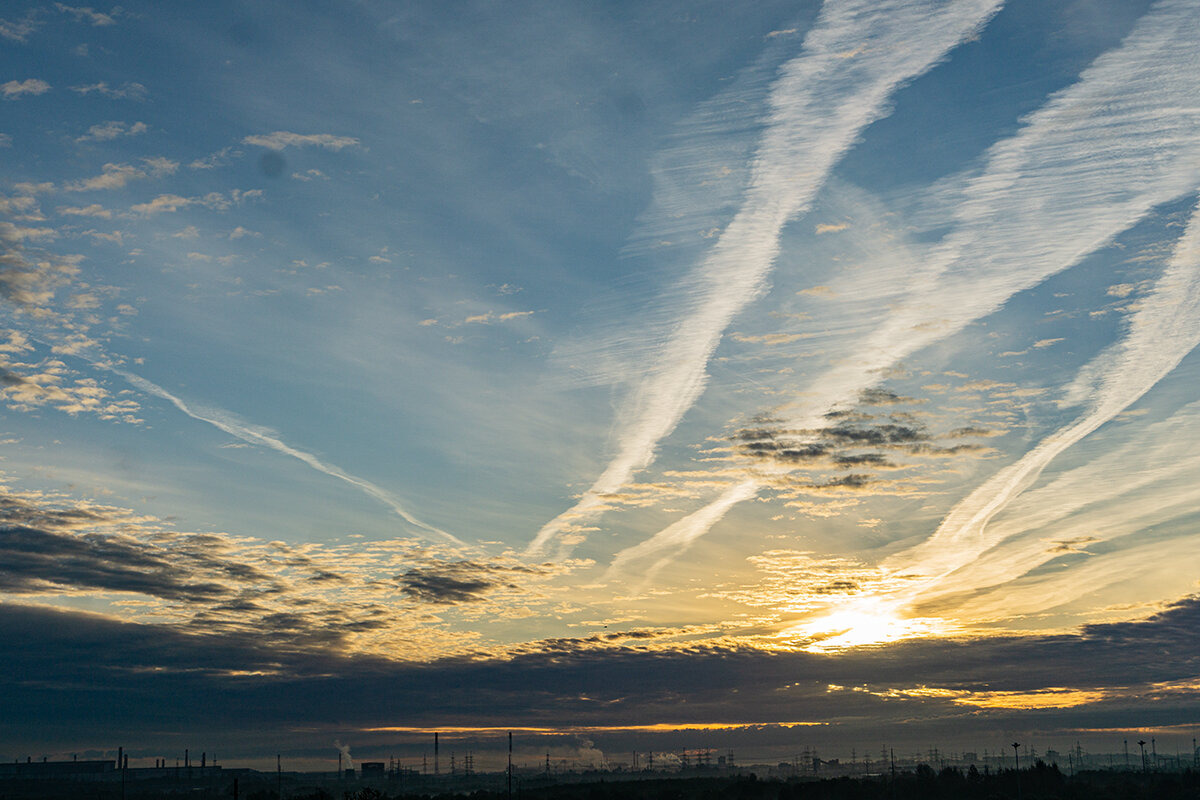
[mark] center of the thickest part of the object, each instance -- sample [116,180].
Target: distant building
[372,769]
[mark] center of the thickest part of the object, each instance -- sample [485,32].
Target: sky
[634,376]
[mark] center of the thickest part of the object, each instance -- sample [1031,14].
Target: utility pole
[279,775]
[1016,746]
[510,765]
[1142,744]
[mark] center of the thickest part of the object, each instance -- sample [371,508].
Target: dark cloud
[973,431]
[9,378]
[856,440]
[880,434]
[882,397]
[862,459]
[451,583]
[79,679]
[33,560]
[853,480]
[925,449]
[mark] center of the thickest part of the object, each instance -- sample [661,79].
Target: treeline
[1040,782]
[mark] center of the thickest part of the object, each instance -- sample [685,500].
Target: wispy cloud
[1132,130]
[678,537]
[818,106]
[1164,328]
[253,434]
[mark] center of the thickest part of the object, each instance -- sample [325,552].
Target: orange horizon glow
[573,729]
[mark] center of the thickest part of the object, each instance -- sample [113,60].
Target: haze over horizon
[642,376]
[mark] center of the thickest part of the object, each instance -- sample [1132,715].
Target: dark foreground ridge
[1040,782]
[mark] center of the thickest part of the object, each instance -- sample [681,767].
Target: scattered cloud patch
[112,130]
[15,89]
[126,91]
[164,203]
[29,386]
[491,318]
[93,210]
[218,159]
[282,139]
[19,30]
[767,338]
[90,16]
[116,176]
[170,203]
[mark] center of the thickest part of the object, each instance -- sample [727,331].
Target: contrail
[677,537]
[253,434]
[856,55]
[1093,161]
[1164,329]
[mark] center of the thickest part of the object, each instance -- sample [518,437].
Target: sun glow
[862,625]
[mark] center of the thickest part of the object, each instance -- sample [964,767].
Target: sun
[860,625]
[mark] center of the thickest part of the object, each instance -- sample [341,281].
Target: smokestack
[120,755]
[203,759]
[187,760]
[435,754]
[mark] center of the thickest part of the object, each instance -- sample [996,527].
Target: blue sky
[426,333]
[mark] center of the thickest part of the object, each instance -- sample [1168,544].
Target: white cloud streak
[858,53]
[1164,329]
[679,536]
[1147,483]
[264,437]
[1093,161]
